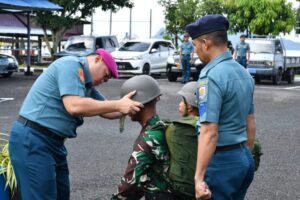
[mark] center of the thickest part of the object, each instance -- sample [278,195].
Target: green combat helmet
[146,89]
[188,91]
[256,153]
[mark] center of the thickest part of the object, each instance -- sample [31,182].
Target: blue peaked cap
[207,24]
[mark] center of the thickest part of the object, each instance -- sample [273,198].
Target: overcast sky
[140,20]
[120,20]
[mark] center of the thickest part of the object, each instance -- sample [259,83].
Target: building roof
[29,5]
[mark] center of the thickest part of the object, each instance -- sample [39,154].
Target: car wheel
[6,74]
[257,80]
[277,78]
[171,76]
[146,69]
[195,78]
[291,76]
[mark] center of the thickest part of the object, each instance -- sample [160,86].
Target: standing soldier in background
[51,112]
[148,164]
[227,123]
[242,52]
[186,57]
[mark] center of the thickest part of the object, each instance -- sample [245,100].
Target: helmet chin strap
[186,111]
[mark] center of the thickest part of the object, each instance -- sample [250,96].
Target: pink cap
[109,61]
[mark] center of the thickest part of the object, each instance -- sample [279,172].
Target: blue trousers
[39,163]
[230,173]
[186,68]
[242,60]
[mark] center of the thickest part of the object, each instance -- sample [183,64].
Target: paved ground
[98,156]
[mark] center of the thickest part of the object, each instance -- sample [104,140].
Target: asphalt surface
[98,156]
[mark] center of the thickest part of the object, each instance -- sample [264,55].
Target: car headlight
[198,61]
[269,63]
[10,60]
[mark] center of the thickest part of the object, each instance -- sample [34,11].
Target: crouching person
[148,164]
[182,140]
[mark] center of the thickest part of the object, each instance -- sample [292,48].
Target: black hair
[219,38]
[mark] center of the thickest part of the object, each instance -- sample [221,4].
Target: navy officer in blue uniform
[51,112]
[242,52]
[226,122]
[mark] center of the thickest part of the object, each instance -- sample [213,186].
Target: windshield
[257,46]
[135,46]
[80,43]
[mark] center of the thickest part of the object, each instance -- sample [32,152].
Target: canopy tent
[27,6]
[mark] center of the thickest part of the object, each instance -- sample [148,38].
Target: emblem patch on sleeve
[81,74]
[202,92]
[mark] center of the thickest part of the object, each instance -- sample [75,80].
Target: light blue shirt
[242,48]
[43,104]
[186,48]
[225,97]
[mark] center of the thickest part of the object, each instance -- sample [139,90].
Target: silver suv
[84,45]
[174,67]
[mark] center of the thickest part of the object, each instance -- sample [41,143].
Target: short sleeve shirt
[242,48]
[43,104]
[186,48]
[225,96]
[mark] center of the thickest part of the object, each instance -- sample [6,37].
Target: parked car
[143,56]
[8,65]
[173,68]
[84,45]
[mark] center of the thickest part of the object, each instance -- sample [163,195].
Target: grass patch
[34,66]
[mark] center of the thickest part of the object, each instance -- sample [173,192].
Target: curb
[32,69]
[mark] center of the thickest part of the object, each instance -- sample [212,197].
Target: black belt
[39,128]
[186,54]
[230,147]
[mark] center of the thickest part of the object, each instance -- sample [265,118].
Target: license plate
[252,70]
[121,67]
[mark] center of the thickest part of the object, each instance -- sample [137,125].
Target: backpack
[182,142]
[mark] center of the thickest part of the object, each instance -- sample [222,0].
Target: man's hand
[202,190]
[128,106]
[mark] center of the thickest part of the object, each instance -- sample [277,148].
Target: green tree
[261,17]
[179,13]
[297,24]
[74,12]
[207,7]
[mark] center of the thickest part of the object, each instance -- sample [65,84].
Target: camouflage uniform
[148,164]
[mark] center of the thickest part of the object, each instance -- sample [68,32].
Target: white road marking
[279,88]
[263,87]
[6,99]
[291,88]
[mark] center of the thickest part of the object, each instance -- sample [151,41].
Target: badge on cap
[81,74]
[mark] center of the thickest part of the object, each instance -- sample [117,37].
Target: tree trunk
[47,40]
[176,40]
[57,36]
